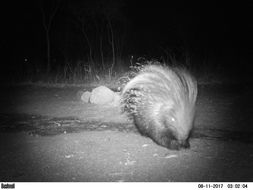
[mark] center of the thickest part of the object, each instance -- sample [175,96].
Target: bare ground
[48,134]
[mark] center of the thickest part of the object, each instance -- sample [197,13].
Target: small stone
[85,97]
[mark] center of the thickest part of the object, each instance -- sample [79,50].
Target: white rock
[116,100]
[101,95]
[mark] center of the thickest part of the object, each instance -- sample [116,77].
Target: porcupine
[161,101]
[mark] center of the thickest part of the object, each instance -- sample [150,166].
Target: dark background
[214,36]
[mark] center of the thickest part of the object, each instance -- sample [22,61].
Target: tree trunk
[101,51]
[112,45]
[88,42]
[48,53]
[47,27]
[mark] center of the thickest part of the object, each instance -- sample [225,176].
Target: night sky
[221,29]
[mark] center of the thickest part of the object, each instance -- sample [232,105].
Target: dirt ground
[48,134]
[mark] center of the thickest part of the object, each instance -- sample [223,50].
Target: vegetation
[84,42]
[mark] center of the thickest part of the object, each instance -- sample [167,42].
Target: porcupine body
[161,101]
